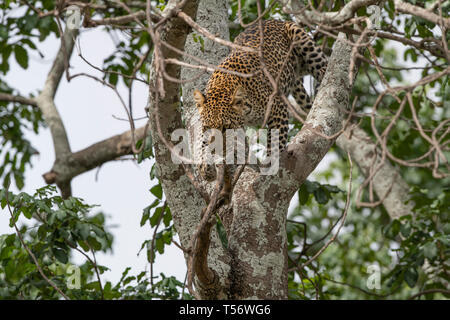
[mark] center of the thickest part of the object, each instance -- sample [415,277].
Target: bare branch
[19,99]
[94,156]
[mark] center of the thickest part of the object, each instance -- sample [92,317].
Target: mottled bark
[257,235]
[213,16]
[184,201]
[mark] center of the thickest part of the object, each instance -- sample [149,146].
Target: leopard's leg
[310,54]
[279,120]
[300,95]
[207,170]
[225,193]
[314,59]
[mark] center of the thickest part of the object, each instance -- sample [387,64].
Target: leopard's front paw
[207,171]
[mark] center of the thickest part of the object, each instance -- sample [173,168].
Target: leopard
[241,89]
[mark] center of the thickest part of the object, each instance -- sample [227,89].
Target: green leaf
[3,203]
[83,230]
[331,188]
[167,217]
[113,78]
[446,228]
[21,56]
[303,195]
[61,214]
[97,230]
[222,233]
[3,32]
[150,255]
[60,255]
[157,191]
[19,180]
[26,212]
[153,174]
[159,245]
[320,196]
[147,210]
[411,277]
[311,186]
[147,152]
[94,243]
[392,229]
[405,229]
[167,236]
[429,250]
[155,217]
[145,216]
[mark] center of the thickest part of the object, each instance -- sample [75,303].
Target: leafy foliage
[64,226]
[16,150]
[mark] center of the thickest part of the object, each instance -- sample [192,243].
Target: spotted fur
[232,101]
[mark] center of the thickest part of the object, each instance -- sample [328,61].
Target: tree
[394,130]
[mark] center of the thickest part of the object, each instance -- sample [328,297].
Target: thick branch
[387,182]
[332,18]
[257,231]
[329,109]
[421,12]
[93,156]
[45,102]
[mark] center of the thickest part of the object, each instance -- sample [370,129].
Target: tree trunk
[255,264]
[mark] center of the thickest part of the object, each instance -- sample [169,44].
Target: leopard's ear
[199,99]
[239,95]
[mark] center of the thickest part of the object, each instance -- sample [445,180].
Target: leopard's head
[221,108]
